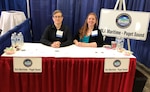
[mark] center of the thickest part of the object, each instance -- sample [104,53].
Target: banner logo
[117,63]
[27,62]
[123,20]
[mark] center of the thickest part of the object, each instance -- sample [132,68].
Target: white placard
[27,65]
[126,24]
[116,65]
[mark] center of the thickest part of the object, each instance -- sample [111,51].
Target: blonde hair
[84,28]
[57,11]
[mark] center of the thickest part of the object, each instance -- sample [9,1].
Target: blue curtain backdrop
[75,12]
[19,5]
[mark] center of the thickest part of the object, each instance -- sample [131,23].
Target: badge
[95,33]
[59,33]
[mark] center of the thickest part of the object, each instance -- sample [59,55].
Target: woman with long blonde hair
[89,35]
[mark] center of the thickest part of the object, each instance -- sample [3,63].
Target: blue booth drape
[19,5]
[75,12]
[5,40]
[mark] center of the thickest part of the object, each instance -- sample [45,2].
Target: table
[10,19]
[66,73]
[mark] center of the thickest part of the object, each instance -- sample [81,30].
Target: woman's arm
[68,36]
[98,39]
[45,35]
[91,44]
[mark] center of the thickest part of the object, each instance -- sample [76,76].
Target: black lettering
[113,32]
[128,33]
[138,34]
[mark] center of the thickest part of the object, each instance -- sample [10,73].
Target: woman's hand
[56,44]
[76,42]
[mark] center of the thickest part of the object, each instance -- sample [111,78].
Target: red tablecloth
[66,75]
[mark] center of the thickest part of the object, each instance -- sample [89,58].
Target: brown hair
[57,11]
[84,28]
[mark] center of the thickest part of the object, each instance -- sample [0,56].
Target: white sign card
[126,24]
[27,65]
[116,65]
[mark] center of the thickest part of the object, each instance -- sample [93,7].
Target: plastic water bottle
[13,40]
[20,40]
[120,42]
[17,41]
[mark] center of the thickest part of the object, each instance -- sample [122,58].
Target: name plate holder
[27,65]
[112,65]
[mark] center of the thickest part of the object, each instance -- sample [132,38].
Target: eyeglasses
[57,16]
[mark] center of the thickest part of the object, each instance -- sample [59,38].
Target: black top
[49,36]
[96,38]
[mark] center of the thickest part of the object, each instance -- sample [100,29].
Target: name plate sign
[116,65]
[126,24]
[27,65]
